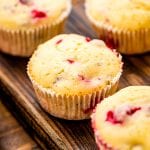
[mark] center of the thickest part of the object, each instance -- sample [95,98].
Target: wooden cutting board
[48,131]
[12,135]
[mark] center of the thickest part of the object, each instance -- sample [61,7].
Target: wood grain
[12,135]
[50,132]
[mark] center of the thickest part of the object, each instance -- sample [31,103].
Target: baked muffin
[123,24]
[24,24]
[122,121]
[71,74]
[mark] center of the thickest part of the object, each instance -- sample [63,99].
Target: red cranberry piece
[110,43]
[92,106]
[112,118]
[59,41]
[70,61]
[24,2]
[88,39]
[133,110]
[38,14]
[81,77]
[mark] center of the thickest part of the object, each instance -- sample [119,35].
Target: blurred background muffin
[24,24]
[122,24]
[122,121]
[72,73]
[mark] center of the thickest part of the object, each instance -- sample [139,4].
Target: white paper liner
[22,42]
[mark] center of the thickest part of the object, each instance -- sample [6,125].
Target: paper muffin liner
[125,41]
[72,107]
[22,42]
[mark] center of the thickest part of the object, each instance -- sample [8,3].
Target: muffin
[123,24]
[24,24]
[122,121]
[71,74]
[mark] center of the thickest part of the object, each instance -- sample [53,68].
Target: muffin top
[25,13]
[123,120]
[72,64]
[122,14]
